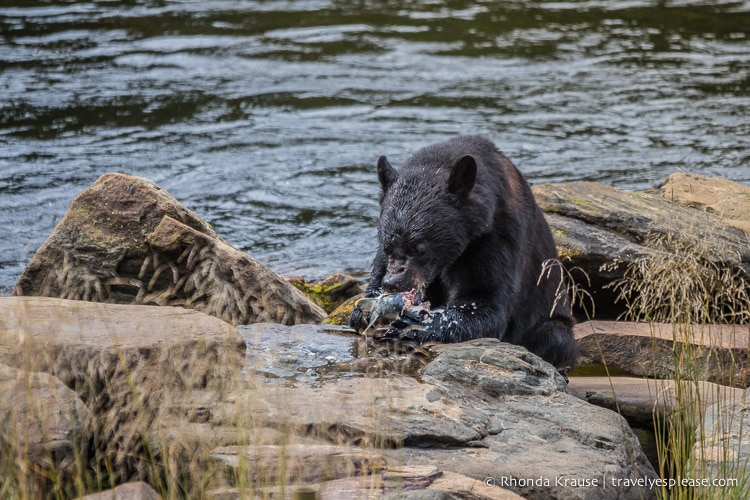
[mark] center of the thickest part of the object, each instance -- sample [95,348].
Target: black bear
[460,229]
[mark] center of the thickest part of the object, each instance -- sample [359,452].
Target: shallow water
[267,117]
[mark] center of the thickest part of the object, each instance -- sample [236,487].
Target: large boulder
[125,240]
[603,231]
[176,399]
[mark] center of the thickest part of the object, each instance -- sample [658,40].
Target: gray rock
[169,399]
[719,458]
[128,491]
[639,399]
[483,365]
[604,231]
[481,409]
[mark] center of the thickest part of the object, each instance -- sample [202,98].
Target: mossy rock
[329,293]
[340,316]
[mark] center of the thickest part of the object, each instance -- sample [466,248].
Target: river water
[266,117]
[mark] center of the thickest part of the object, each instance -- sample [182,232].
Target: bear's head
[429,214]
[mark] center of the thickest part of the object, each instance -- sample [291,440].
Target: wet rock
[129,364]
[340,315]
[171,403]
[313,354]
[505,415]
[43,431]
[125,240]
[717,353]
[603,231]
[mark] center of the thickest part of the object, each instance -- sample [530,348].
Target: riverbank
[246,393]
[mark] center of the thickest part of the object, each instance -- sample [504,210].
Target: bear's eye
[420,249]
[389,246]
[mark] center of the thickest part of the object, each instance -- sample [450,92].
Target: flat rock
[129,364]
[305,352]
[639,399]
[719,353]
[169,398]
[125,240]
[728,200]
[300,463]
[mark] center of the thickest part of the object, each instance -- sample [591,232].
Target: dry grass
[684,286]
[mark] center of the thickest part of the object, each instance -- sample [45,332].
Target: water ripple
[267,118]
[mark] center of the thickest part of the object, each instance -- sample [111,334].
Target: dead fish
[403,308]
[387,306]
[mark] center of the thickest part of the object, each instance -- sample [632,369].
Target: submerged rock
[125,240]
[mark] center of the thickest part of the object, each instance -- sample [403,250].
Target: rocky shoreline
[234,386]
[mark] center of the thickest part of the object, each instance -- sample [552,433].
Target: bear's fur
[459,224]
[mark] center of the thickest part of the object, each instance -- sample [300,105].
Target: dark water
[266,117]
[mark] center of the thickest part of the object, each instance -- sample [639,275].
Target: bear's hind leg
[553,341]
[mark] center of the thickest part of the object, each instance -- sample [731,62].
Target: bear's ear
[387,175]
[463,176]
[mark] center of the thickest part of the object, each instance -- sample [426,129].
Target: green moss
[340,316]
[322,295]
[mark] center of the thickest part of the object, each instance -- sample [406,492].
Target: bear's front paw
[407,329]
[358,319]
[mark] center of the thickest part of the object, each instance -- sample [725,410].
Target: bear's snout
[396,282]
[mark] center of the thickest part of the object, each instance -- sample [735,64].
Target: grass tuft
[686,287]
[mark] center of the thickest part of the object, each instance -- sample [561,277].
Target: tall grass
[186,438]
[684,287]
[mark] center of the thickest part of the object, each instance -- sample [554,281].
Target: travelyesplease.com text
[604,481]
